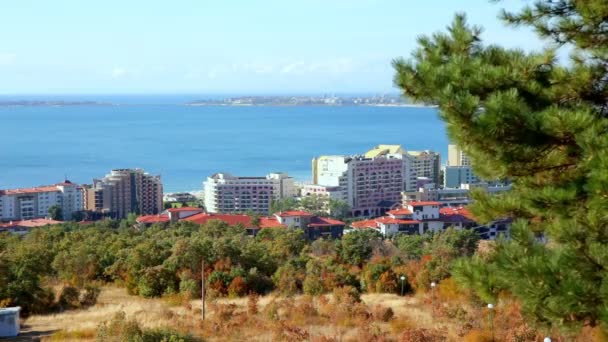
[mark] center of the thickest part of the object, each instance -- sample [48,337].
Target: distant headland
[380,100]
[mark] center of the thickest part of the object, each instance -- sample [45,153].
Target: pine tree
[544,125]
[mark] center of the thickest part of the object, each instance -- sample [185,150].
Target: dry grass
[274,318]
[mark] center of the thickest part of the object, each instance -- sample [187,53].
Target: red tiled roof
[270,222]
[365,224]
[401,211]
[317,221]
[153,219]
[231,219]
[29,223]
[45,188]
[423,203]
[291,213]
[390,220]
[176,210]
[460,214]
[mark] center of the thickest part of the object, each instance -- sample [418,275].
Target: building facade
[456,176]
[125,191]
[370,183]
[32,203]
[426,164]
[451,196]
[457,157]
[225,193]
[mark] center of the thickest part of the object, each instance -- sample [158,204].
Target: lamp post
[491,308]
[433,285]
[402,282]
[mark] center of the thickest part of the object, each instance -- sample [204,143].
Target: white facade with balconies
[225,193]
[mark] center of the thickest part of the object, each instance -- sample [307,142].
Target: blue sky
[222,46]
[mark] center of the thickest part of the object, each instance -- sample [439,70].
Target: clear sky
[222,46]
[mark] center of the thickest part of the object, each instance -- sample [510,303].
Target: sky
[223,46]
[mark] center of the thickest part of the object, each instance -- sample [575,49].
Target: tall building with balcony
[457,157]
[426,164]
[371,183]
[32,203]
[225,193]
[125,191]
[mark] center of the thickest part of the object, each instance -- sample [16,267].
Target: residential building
[371,183]
[419,217]
[426,164]
[457,157]
[31,203]
[23,227]
[179,197]
[225,193]
[455,176]
[450,196]
[125,191]
[314,227]
[331,192]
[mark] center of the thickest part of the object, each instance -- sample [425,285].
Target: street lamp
[402,282]
[491,308]
[433,284]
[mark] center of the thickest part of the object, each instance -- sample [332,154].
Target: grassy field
[269,319]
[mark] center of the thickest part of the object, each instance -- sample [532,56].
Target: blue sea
[185,144]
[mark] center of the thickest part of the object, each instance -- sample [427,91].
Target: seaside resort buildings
[397,191]
[124,191]
[225,193]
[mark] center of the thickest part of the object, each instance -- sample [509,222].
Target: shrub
[88,297]
[237,287]
[69,298]
[421,335]
[381,313]
[313,285]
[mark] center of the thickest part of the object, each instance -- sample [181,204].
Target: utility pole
[203,286]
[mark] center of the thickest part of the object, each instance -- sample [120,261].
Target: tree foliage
[543,124]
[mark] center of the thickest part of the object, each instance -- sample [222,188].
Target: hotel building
[125,191]
[32,203]
[426,164]
[371,183]
[225,193]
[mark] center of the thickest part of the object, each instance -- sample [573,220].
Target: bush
[381,313]
[119,329]
[69,298]
[88,297]
[313,285]
[237,288]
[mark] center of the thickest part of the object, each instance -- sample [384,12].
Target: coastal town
[387,189]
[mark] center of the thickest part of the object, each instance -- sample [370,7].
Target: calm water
[186,144]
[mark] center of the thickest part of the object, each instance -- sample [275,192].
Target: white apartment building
[426,164]
[370,183]
[225,193]
[31,203]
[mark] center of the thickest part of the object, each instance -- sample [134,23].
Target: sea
[185,144]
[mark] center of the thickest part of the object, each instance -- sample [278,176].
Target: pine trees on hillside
[544,125]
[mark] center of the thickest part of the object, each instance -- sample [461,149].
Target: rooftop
[293,213]
[29,223]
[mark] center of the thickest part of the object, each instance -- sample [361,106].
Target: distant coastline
[312,101]
[27,103]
